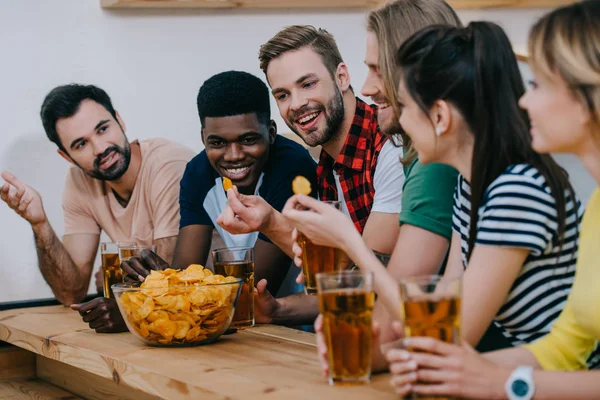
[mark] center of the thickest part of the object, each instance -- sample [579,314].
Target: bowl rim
[122,287]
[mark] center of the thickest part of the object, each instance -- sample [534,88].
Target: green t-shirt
[427,197]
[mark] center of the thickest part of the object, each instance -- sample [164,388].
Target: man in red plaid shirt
[358,165]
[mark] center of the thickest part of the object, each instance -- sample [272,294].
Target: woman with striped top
[516,217]
[518,211]
[564,105]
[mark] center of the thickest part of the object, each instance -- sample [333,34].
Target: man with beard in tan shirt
[128,190]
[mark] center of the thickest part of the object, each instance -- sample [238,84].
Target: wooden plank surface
[13,389]
[459,4]
[16,363]
[85,384]
[265,362]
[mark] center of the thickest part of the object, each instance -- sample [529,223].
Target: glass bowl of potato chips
[179,308]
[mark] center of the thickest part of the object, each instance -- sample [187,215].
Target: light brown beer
[316,259]
[244,311]
[347,318]
[111,269]
[435,318]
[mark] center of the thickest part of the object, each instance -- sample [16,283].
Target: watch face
[520,387]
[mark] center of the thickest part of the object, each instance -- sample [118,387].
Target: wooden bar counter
[50,353]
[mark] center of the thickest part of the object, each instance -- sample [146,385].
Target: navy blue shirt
[202,198]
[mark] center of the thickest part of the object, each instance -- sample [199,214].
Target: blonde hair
[392,24]
[567,41]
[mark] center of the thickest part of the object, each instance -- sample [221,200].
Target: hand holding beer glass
[346,301]
[111,264]
[111,267]
[431,306]
[128,250]
[317,259]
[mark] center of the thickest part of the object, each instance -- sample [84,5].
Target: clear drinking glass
[317,259]
[239,263]
[346,300]
[111,267]
[133,250]
[431,306]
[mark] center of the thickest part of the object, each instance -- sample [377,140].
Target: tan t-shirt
[152,212]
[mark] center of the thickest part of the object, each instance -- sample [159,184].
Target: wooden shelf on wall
[240,3]
[522,57]
[508,3]
[459,4]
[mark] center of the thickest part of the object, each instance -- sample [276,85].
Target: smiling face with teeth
[238,147]
[374,88]
[95,141]
[310,100]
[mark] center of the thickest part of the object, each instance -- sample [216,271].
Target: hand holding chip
[244,214]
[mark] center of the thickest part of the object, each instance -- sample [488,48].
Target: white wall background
[151,62]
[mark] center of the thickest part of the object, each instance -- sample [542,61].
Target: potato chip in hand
[227,184]
[301,185]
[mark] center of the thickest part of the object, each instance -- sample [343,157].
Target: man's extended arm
[66,266]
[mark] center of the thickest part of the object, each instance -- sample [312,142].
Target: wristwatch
[519,385]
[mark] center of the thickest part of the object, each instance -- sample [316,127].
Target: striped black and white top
[519,211]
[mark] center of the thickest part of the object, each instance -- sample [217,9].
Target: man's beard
[390,127]
[115,171]
[333,120]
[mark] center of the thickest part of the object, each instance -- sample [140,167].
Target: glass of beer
[129,250]
[111,267]
[346,300]
[317,259]
[431,306]
[238,262]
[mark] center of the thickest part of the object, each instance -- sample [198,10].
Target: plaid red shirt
[355,165]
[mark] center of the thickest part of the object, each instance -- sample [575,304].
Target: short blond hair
[392,24]
[567,41]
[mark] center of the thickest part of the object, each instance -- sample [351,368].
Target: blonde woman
[564,106]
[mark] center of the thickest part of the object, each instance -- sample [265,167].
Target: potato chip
[165,328]
[183,303]
[198,296]
[147,307]
[301,185]
[192,274]
[166,302]
[180,307]
[227,184]
[182,328]
[192,319]
[156,315]
[193,333]
[144,329]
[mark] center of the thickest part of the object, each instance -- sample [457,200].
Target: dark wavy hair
[64,101]
[475,69]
